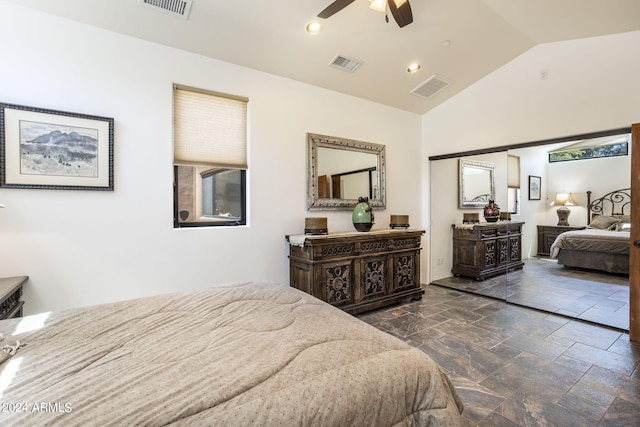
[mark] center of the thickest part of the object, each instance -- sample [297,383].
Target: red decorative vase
[491,211]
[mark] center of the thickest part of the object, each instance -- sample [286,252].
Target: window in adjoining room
[592,148]
[209,157]
[513,184]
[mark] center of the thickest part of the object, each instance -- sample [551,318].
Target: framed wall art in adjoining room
[47,149]
[535,183]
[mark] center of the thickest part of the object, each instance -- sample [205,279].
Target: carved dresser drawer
[486,249]
[357,271]
[10,296]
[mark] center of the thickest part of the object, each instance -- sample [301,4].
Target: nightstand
[10,293]
[547,235]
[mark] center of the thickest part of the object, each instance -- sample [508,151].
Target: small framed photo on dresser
[535,183]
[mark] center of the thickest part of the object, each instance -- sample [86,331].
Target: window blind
[513,171]
[209,128]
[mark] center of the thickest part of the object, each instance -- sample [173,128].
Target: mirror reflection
[347,174]
[341,170]
[476,183]
[544,282]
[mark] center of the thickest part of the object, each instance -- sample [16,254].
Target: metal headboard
[617,202]
[482,198]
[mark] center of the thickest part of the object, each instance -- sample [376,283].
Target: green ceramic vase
[362,215]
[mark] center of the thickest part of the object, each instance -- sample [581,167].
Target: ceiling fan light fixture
[313,27]
[413,67]
[400,9]
[378,5]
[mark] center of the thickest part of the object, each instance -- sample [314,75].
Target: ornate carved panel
[404,271]
[490,253]
[408,243]
[338,283]
[515,248]
[373,277]
[338,250]
[10,303]
[374,246]
[503,248]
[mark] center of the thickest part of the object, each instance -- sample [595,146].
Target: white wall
[600,176]
[592,85]
[87,247]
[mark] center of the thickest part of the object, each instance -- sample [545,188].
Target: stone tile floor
[515,366]
[543,284]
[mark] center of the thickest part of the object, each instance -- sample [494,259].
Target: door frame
[634,252]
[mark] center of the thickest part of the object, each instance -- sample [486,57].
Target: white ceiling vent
[179,8]
[430,87]
[345,63]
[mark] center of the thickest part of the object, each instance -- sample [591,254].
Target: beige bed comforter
[592,240]
[237,355]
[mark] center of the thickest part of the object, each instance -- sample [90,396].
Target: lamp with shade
[563,200]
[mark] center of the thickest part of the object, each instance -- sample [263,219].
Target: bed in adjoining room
[604,244]
[242,354]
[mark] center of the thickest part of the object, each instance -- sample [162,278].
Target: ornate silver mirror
[340,170]
[476,183]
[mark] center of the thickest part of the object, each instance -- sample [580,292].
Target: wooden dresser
[358,271]
[486,249]
[547,235]
[10,293]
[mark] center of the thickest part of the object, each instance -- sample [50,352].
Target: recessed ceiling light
[445,43]
[413,68]
[313,27]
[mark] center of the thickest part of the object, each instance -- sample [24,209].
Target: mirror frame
[462,203]
[315,141]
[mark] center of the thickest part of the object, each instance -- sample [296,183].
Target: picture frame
[57,150]
[535,185]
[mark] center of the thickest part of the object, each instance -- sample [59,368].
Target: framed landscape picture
[47,149]
[535,183]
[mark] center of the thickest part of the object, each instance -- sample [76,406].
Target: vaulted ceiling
[459,41]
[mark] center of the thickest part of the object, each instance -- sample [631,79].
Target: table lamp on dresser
[563,200]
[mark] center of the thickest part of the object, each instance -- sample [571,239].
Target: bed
[604,244]
[243,354]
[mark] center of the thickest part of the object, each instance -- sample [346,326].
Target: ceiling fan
[400,9]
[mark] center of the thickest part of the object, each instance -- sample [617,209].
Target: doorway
[517,286]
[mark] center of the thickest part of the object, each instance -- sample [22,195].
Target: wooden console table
[357,271]
[486,249]
[10,293]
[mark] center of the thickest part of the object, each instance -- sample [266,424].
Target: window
[513,200]
[610,146]
[210,158]
[513,184]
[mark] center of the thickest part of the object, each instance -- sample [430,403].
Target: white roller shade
[513,171]
[209,129]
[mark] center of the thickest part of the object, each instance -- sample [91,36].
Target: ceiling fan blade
[334,7]
[401,14]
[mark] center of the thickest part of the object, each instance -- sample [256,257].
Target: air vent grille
[430,87]
[179,8]
[344,63]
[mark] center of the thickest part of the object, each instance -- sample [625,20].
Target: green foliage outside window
[612,150]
